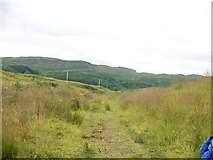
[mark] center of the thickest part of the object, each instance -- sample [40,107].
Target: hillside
[53,118]
[115,78]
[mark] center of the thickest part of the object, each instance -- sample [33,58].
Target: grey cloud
[118,38]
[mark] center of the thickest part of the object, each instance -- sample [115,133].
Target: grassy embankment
[44,117]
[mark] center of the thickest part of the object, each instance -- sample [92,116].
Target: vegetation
[10,149]
[114,78]
[20,69]
[107,107]
[48,118]
[172,121]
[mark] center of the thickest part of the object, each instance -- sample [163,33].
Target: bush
[9,148]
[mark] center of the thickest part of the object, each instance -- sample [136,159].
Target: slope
[115,78]
[53,118]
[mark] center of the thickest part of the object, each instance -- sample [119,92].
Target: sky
[155,36]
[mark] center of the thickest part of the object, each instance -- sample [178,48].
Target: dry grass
[43,117]
[27,100]
[173,120]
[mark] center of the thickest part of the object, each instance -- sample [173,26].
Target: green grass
[107,107]
[63,112]
[88,152]
[54,118]
[9,148]
[174,120]
[50,138]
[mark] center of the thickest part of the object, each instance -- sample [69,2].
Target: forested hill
[115,78]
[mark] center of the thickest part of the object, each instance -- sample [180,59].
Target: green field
[45,117]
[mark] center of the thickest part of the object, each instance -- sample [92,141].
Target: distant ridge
[115,78]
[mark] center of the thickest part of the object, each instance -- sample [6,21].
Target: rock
[86,136]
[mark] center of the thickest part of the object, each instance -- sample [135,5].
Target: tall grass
[64,112]
[29,99]
[174,120]
[170,122]
[9,148]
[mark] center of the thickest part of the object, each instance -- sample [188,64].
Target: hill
[115,78]
[47,118]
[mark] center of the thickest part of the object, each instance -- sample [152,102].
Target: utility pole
[99,83]
[67,78]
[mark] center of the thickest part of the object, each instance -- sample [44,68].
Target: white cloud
[167,36]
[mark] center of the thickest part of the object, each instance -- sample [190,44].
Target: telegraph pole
[67,78]
[99,83]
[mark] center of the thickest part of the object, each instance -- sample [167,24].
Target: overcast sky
[157,36]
